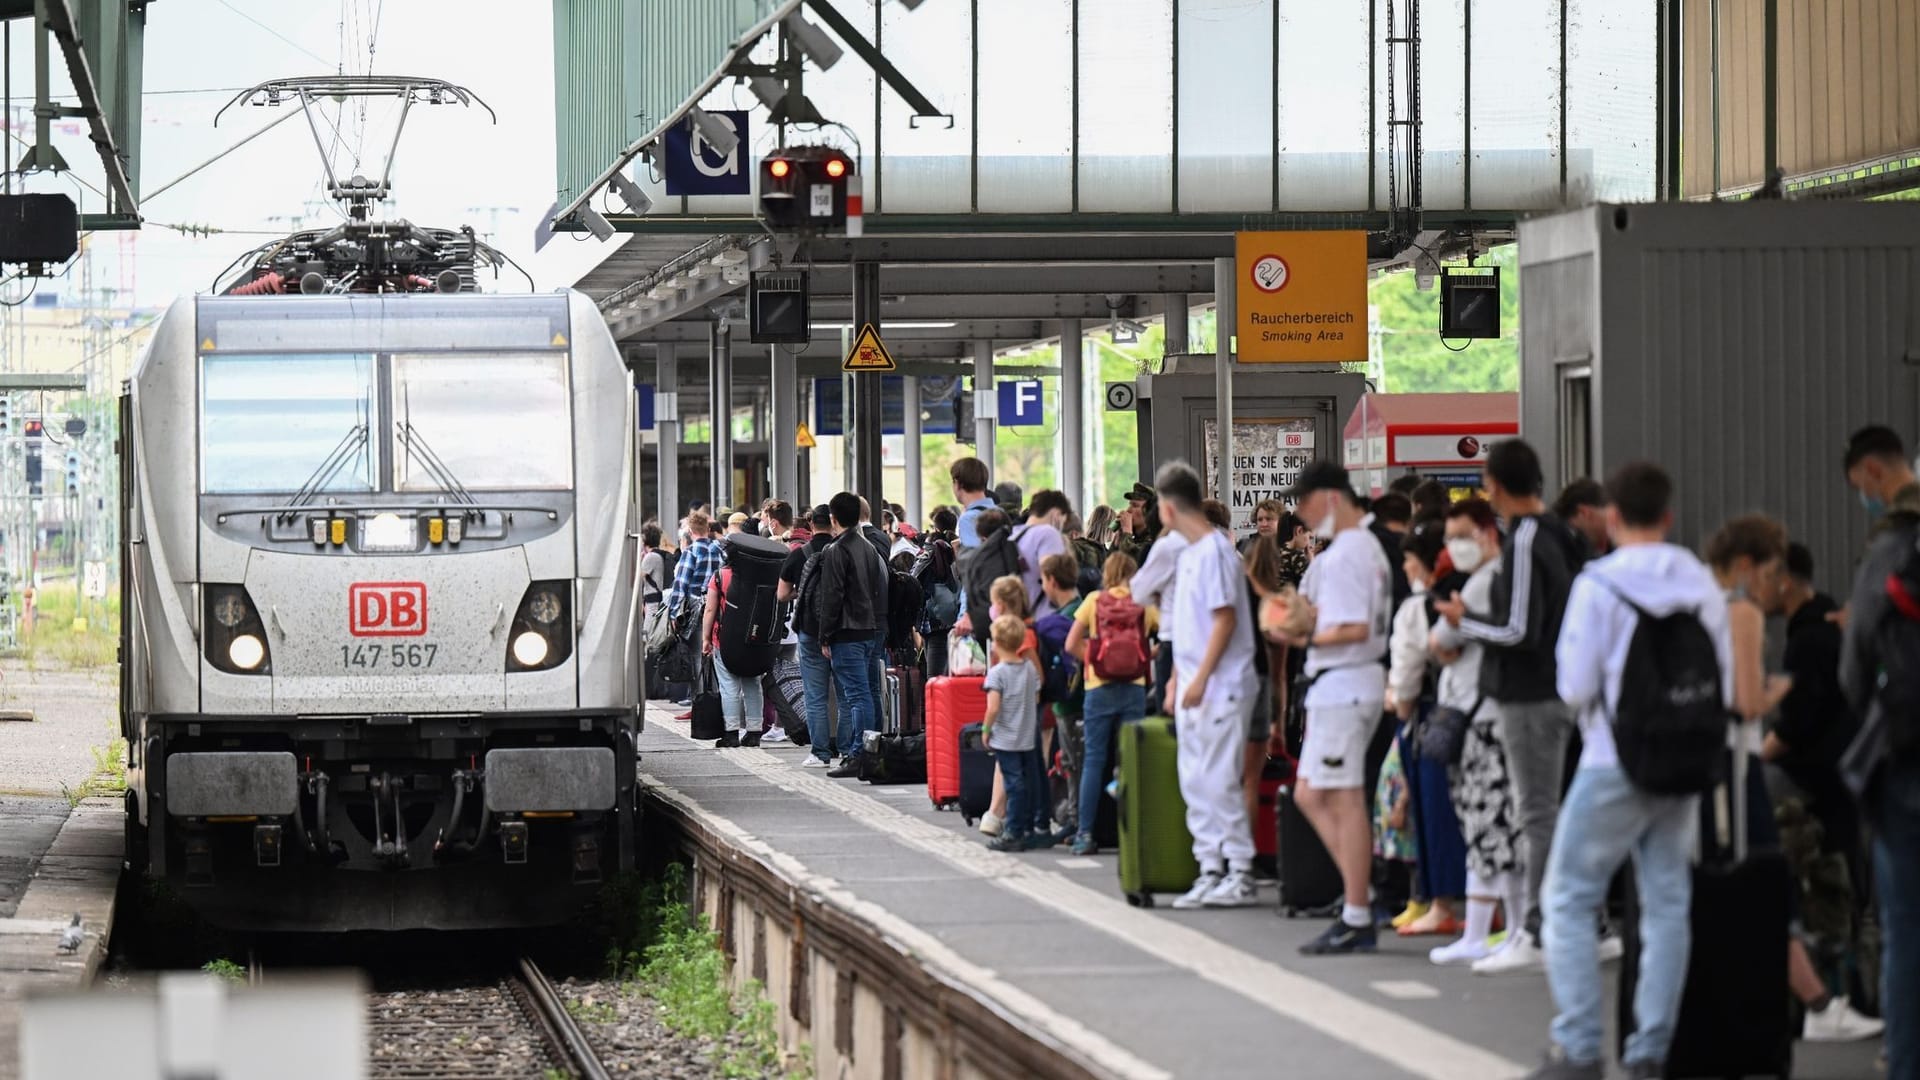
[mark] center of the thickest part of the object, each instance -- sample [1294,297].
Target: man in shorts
[1349,585]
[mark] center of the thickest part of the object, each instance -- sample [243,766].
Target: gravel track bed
[476,1032]
[631,1041]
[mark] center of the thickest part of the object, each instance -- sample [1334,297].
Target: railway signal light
[6,414]
[73,470]
[805,188]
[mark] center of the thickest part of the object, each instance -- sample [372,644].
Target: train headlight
[247,652]
[530,649]
[541,637]
[230,610]
[233,637]
[544,607]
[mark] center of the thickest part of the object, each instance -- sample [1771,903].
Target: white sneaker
[991,823]
[1518,956]
[1839,1023]
[1235,890]
[1203,887]
[1463,951]
[814,761]
[1612,948]
[774,734]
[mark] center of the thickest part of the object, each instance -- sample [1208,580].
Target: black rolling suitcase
[976,773]
[1736,1011]
[1309,881]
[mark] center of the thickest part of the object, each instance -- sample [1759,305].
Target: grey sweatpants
[1534,735]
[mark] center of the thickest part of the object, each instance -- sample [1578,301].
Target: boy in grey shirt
[1012,723]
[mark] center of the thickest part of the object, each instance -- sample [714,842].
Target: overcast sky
[453,167]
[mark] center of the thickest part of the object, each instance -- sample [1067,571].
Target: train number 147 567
[388,656]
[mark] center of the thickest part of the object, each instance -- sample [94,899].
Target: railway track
[514,1026]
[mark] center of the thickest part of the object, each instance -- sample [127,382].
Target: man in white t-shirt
[1211,694]
[1350,586]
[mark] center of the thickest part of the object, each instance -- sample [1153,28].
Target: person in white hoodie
[1607,818]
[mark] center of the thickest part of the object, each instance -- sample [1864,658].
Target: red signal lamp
[779,168]
[836,168]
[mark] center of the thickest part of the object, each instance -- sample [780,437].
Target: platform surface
[1167,993]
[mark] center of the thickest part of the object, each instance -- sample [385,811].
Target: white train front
[380,659]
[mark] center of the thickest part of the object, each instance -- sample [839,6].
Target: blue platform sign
[643,411]
[1021,403]
[936,405]
[695,168]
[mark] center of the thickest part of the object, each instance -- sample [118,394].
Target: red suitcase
[952,702]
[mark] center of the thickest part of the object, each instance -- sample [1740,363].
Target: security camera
[717,132]
[630,193]
[600,227]
[813,42]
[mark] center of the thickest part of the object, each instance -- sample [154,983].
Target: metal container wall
[1738,344]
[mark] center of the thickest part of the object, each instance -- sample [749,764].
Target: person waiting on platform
[1211,693]
[1349,587]
[1013,734]
[1113,701]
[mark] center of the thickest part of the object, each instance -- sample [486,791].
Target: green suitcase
[1156,850]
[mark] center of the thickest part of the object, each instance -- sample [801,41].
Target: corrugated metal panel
[1849,92]
[1739,345]
[619,65]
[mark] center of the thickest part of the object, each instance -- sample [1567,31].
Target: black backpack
[903,609]
[750,623]
[1670,724]
[995,558]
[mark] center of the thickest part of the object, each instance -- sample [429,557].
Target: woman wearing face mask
[1482,795]
[1440,855]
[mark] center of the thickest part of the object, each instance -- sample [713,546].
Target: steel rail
[562,1030]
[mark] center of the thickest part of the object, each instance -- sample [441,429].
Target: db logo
[1469,447]
[387,609]
[1295,439]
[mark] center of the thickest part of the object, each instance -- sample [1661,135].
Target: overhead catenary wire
[271,30]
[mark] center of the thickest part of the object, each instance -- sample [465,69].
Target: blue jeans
[1106,708]
[853,676]
[1896,860]
[1605,820]
[741,701]
[1039,784]
[1441,868]
[816,676]
[1016,771]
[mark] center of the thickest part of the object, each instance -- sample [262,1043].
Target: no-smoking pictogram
[1270,273]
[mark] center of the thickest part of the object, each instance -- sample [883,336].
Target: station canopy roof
[1088,158]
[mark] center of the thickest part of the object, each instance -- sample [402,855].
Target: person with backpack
[1537,559]
[934,571]
[970,483]
[1645,658]
[803,568]
[741,700]
[995,556]
[1109,635]
[1880,673]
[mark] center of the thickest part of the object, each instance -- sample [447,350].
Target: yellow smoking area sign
[1301,297]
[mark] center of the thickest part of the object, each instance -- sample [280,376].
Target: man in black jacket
[849,605]
[1538,554]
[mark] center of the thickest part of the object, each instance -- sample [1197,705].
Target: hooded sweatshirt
[1592,653]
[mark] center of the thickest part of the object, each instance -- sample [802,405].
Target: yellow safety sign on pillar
[803,438]
[869,353]
[1301,296]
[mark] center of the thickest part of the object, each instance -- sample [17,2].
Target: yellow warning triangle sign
[803,438]
[559,340]
[207,345]
[869,353]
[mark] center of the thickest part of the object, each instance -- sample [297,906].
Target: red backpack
[1120,639]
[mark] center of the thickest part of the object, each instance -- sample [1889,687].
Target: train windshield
[483,421]
[278,423]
